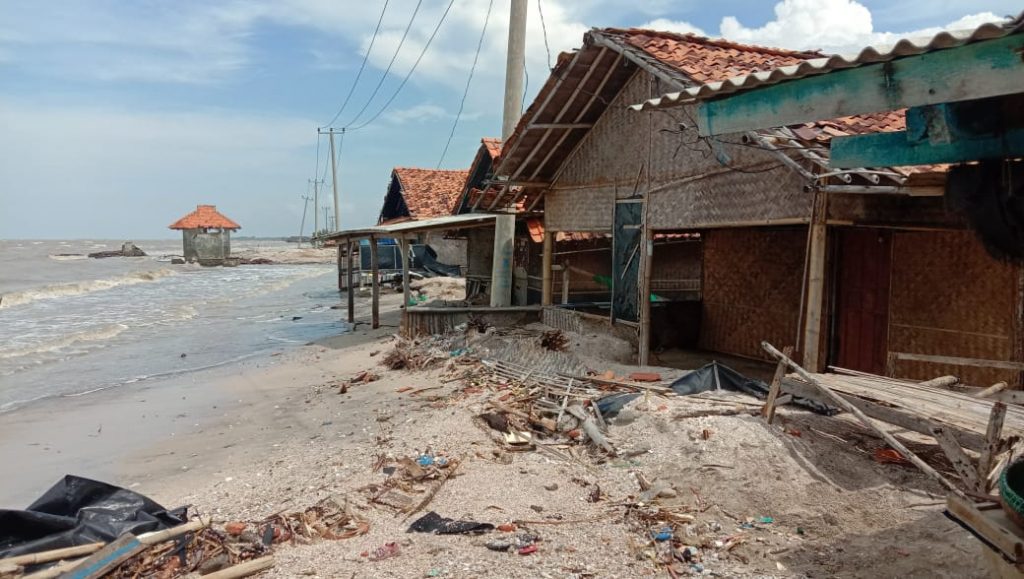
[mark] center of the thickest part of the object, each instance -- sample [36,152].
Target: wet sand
[160,436]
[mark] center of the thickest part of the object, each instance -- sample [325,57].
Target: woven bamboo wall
[752,281]
[694,183]
[949,298]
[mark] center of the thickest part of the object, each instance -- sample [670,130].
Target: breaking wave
[94,335]
[78,288]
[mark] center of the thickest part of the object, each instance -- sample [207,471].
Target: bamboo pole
[404,245]
[243,569]
[845,405]
[815,276]
[52,555]
[997,387]
[773,391]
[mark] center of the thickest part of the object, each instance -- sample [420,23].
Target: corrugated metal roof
[465,220]
[870,55]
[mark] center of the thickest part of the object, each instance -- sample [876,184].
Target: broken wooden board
[991,525]
[913,407]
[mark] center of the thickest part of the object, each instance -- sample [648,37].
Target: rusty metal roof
[869,55]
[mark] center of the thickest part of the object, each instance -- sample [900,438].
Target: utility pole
[316,215]
[505,224]
[334,173]
[327,221]
[302,227]
[515,68]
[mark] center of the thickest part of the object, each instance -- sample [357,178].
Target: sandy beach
[278,436]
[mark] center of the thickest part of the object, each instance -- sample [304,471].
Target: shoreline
[127,434]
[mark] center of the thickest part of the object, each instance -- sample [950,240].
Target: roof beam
[983,69]
[896,150]
[535,126]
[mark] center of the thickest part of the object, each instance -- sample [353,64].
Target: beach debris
[645,377]
[385,551]
[554,340]
[406,355]
[438,525]
[327,519]
[128,249]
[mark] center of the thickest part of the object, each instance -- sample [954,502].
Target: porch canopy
[403,231]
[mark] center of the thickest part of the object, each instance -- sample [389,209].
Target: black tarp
[715,376]
[76,511]
[428,258]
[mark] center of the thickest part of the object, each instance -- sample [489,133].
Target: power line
[469,80]
[544,27]
[390,64]
[411,70]
[362,66]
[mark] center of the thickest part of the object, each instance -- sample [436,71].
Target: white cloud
[417,114]
[680,26]
[831,25]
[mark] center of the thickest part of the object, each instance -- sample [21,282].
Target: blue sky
[118,117]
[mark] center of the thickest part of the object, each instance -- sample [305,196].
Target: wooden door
[862,308]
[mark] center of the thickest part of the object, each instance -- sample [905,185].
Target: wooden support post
[350,283]
[812,355]
[993,441]
[847,406]
[375,287]
[565,282]
[549,250]
[959,459]
[773,392]
[404,246]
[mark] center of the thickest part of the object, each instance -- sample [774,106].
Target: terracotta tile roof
[430,192]
[205,216]
[704,59]
[823,131]
[493,146]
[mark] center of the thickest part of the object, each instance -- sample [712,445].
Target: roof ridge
[429,169]
[719,42]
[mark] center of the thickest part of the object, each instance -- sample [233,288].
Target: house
[901,272]
[206,235]
[418,194]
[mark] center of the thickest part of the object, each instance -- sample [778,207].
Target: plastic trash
[498,545]
[425,460]
[435,523]
[528,549]
[766,520]
[665,534]
[385,551]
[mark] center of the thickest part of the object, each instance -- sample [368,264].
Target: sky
[118,117]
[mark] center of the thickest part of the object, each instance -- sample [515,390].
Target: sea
[71,325]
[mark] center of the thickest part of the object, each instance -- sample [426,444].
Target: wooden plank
[52,555]
[992,526]
[375,286]
[993,439]
[895,150]
[982,69]
[958,458]
[958,361]
[845,405]
[773,392]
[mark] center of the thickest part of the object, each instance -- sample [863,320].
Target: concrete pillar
[501,266]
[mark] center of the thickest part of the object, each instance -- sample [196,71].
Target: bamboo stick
[845,405]
[773,391]
[997,387]
[52,555]
[243,569]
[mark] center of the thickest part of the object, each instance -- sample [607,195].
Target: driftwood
[773,391]
[845,405]
[243,569]
[959,459]
[433,490]
[590,427]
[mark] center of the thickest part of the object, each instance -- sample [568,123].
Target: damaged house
[852,267]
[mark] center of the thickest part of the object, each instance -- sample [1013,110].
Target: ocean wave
[78,288]
[95,335]
[68,257]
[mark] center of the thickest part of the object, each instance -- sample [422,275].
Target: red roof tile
[705,59]
[430,192]
[205,216]
[493,146]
